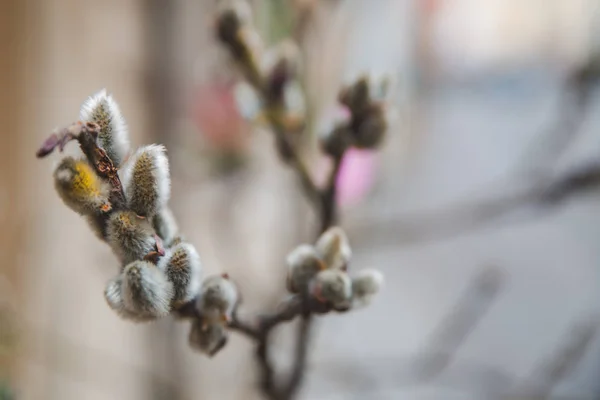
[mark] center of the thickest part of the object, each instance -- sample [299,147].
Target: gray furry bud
[218,299]
[130,236]
[333,248]
[333,286]
[365,285]
[80,188]
[165,225]
[182,267]
[303,264]
[280,65]
[145,290]
[370,128]
[114,298]
[146,180]
[208,339]
[113,137]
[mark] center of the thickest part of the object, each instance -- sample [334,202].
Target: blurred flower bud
[280,65]
[114,136]
[334,131]
[208,339]
[165,225]
[252,41]
[303,264]
[80,188]
[369,130]
[145,290]
[333,248]
[182,267]
[218,299]
[365,285]
[356,96]
[366,101]
[337,141]
[239,10]
[146,180]
[235,30]
[130,236]
[334,287]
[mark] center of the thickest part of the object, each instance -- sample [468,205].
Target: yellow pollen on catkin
[85,182]
[125,219]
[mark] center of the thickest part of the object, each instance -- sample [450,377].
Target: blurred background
[491,256]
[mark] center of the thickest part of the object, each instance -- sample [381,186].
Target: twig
[573,105]
[286,149]
[290,309]
[301,355]
[329,196]
[543,191]
[468,217]
[270,90]
[456,326]
[561,362]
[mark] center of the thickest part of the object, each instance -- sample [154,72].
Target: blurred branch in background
[578,89]
[454,329]
[557,366]
[544,189]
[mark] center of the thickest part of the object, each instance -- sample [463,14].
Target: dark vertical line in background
[159,30]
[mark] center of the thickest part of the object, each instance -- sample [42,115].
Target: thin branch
[329,196]
[458,324]
[270,90]
[574,103]
[543,192]
[552,370]
[468,217]
[301,355]
[288,152]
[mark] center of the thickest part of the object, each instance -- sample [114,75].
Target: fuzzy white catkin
[365,285]
[146,180]
[218,298]
[303,264]
[130,236]
[334,286]
[208,339]
[114,298]
[182,267]
[102,109]
[146,290]
[334,248]
[80,188]
[165,225]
